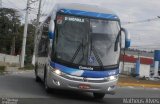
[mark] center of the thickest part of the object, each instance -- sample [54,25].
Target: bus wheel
[45,82]
[99,95]
[36,74]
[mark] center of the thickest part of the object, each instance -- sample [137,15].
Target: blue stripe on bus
[85,73]
[90,14]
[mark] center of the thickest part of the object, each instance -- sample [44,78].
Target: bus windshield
[85,41]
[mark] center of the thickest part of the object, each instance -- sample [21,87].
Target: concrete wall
[144,69]
[127,67]
[9,59]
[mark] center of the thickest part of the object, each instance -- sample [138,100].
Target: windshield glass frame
[73,65]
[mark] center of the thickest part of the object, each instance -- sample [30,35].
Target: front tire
[98,95]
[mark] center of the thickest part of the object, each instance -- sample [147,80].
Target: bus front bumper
[59,82]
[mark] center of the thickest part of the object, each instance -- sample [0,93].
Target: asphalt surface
[23,85]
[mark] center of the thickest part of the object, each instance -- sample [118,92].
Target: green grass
[27,67]
[2,69]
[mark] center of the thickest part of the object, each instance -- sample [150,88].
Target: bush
[142,78]
[2,69]
[27,67]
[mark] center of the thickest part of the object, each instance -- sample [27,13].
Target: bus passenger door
[43,51]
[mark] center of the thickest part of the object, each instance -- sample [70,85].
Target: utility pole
[14,34]
[25,33]
[35,35]
[24,36]
[124,53]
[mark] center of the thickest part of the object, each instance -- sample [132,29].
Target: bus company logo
[74,19]
[85,79]
[91,59]
[85,68]
[59,19]
[112,73]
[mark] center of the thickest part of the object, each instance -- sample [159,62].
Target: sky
[145,35]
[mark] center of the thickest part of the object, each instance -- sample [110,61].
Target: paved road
[23,85]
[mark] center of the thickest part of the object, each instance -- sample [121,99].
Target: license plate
[84,86]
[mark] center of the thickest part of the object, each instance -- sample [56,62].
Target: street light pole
[0,3]
[24,36]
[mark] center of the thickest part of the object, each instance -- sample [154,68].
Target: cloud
[128,11]
[145,35]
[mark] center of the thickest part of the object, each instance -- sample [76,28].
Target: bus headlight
[57,71]
[111,78]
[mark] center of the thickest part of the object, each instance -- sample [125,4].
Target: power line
[142,21]
[22,10]
[145,45]
[43,8]
[33,9]
[14,6]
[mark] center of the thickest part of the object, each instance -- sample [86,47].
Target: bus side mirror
[127,38]
[51,29]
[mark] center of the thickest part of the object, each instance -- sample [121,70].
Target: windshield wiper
[82,55]
[76,52]
[97,57]
[116,42]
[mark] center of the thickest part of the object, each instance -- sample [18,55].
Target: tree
[11,34]
[9,27]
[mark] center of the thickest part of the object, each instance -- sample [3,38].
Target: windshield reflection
[84,41]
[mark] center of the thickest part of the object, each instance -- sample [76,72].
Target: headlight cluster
[60,73]
[111,78]
[56,71]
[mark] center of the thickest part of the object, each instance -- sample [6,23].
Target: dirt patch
[131,81]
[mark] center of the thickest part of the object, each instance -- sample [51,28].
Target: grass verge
[27,67]
[2,69]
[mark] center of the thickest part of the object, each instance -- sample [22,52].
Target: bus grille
[82,79]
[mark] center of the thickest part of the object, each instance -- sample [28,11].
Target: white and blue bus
[79,48]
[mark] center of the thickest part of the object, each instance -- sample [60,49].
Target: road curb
[138,85]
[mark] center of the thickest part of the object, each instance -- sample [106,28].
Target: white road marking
[156,88]
[131,87]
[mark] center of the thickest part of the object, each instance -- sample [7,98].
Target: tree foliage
[11,33]
[9,27]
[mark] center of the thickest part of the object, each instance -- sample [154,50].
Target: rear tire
[98,95]
[36,74]
[47,88]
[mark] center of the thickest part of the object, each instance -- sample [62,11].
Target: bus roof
[84,10]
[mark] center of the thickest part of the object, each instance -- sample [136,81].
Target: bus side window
[43,44]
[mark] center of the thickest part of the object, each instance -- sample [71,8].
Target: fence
[9,59]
